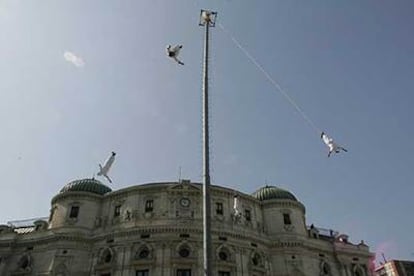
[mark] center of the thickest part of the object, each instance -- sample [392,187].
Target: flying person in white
[174,52]
[103,170]
[332,146]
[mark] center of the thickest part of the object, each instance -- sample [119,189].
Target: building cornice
[283,203]
[77,195]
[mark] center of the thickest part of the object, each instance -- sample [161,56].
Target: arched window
[107,256]
[256,259]
[24,262]
[358,271]
[61,270]
[325,269]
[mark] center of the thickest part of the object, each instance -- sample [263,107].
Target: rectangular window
[74,212]
[117,211]
[149,205]
[223,273]
[143,272]
[219,208]
[183,272]
[247,215]
[286,219]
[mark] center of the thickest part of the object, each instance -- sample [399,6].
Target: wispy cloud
[72,58]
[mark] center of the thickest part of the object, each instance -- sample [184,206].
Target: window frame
[219,208]
[248,214]
[72,213]
[180,271]
[117,210]
[149,206]
[144,272]
[287,220]
[107,256]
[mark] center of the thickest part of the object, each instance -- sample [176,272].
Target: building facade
[156,229]
[395,268]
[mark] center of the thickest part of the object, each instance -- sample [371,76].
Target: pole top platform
[207,17]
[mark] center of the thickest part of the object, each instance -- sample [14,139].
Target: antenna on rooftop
[383,256]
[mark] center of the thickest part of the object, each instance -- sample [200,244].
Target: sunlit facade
[395,268]
[156,229]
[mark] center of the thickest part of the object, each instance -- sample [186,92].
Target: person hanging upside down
[332,146]
[173,53]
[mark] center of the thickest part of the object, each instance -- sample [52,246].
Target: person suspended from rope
[332,146]
[174,52]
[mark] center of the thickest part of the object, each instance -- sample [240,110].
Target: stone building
[156,229]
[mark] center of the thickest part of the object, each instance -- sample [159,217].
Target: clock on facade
[185,202]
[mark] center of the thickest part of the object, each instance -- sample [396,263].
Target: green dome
[272,192]
[90,185]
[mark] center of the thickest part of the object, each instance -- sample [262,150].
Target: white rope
[272,81]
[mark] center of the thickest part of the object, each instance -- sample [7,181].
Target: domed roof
[90,185]
[272,192]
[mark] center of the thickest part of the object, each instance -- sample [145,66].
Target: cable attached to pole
[270,79]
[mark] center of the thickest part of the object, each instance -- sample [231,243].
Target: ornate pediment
[184,187]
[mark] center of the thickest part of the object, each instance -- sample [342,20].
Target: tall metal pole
[207,19]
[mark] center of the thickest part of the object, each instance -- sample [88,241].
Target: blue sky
[347,64]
